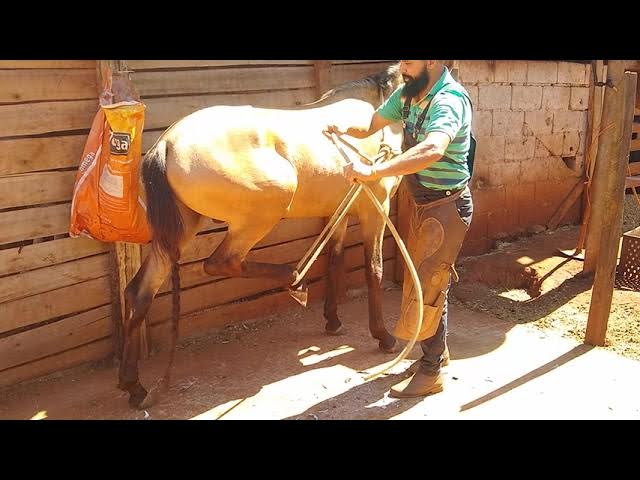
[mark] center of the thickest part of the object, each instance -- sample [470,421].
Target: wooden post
[615,143]
[322,75]
[125,256]
[594,117]
[566,204]
[592,147]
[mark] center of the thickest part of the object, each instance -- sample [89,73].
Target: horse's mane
[386,81]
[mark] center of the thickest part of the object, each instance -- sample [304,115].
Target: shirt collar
[444,79]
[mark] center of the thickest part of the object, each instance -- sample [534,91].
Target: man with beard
[437,158]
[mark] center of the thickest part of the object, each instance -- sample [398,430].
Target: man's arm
[417,158]
[390,111]
[445,122]
[378,122]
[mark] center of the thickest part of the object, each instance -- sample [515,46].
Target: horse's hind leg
[229,258]
[336,267]
[138,298]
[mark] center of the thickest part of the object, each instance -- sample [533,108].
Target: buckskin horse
[251,167]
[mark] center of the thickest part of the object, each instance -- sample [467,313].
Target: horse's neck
[390,135]
[369,95]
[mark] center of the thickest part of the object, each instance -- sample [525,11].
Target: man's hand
[329,129]
[359,171]
[378,122]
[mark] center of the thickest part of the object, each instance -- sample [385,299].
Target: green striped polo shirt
[449,112]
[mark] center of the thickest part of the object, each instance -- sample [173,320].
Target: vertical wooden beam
[125,256]
[322,75]
[591,149]
[117,313]
[594,117]
[618,109]
[566,204]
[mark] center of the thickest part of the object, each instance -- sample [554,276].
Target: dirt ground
[213,373]
[284,366]
[488,283]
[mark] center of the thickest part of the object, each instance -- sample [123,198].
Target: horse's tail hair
[162,210]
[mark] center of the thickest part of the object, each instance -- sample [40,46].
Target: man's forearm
[413,160]
[377,123]
[359,132]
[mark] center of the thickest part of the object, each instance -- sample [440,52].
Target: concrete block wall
[530,122]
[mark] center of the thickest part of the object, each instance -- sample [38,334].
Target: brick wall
[530,122]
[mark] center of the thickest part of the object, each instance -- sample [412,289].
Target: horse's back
[221,119]
[253,157]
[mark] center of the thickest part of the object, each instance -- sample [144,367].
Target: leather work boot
[419,385]
[445,356]
[413,368]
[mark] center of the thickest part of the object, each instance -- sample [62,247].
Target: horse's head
[373,89]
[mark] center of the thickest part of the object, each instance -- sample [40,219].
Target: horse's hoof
[300,294]
[387,345]
[151,399]
[137,395]
[337,331]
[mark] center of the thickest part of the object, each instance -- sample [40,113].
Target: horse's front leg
[335,279]
[372,235]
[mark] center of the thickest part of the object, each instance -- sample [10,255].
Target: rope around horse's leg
[405,255]
[331,226]
[326,234]
[414,277]
[334,221]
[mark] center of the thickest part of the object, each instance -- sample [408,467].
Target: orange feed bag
[108,197]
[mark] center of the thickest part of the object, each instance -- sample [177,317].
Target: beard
[413,86]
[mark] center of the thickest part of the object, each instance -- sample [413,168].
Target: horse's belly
[321,182]
[319,197]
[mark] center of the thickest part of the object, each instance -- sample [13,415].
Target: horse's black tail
[162,211]
[167,229]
